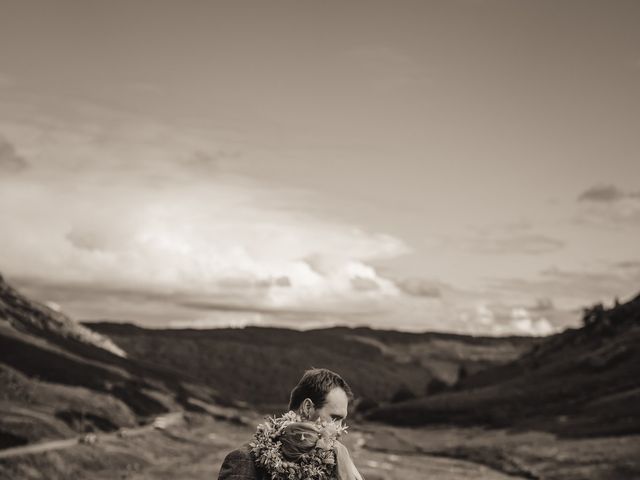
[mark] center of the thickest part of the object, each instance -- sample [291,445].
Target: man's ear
[307,407]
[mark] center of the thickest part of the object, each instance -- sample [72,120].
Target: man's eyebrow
[337,417]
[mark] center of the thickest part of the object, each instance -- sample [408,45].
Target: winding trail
[159,423]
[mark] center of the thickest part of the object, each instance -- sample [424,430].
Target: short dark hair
[316,384]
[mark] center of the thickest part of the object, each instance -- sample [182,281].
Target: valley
[113,400]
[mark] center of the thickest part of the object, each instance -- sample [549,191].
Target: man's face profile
[335,407]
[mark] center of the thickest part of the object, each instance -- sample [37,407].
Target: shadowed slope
[259,365]
[58,375]
[581,382]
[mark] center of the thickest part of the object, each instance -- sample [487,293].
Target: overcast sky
[460,165]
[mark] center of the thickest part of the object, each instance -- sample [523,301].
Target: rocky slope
[29,316]
[59,378]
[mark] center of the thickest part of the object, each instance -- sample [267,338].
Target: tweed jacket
[239,465]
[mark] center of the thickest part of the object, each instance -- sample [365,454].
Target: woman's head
[297,439]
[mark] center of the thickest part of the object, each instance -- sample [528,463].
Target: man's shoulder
[239,465]
[240,454]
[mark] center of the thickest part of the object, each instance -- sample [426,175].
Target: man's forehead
[337,402]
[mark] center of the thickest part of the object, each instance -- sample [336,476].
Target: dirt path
[160,422]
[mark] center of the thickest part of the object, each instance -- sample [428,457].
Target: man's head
[322,394]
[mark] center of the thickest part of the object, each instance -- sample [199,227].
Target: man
[320,394]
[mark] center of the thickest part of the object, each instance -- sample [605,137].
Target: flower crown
[289,448]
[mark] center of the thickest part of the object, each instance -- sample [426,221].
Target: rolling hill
[260,365]
[60,378]
[582,382]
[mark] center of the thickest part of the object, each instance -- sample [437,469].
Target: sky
[462,165]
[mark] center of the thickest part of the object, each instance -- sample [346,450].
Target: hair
[297,439]
[316,384]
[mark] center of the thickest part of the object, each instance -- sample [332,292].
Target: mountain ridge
[38,319]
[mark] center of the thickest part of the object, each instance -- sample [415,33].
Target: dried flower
[288,448]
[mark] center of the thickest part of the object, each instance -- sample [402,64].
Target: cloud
[195,238]
[522,321]
[500,319]
[622,213]
[602,193]
[609,205]
[419,287]
[543,304]
[512,243]
[136,205]
[364,284]
[484,315]
[471,312]
[237,305]
[628,264]
[10,160]
[576,288]
[531,244]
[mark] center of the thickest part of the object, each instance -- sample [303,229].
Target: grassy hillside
[260,365]
[582,382]
[445,355]
[59,377]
